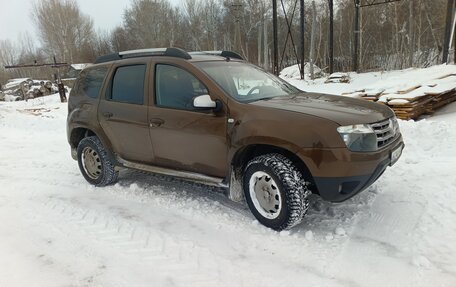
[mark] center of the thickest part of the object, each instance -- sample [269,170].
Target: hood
[339,109]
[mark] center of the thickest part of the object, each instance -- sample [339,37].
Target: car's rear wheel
[275,191]
[94,162]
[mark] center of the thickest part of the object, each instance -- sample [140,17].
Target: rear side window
[128,84]
[90,81]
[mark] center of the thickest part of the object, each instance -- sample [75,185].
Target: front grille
[385,131]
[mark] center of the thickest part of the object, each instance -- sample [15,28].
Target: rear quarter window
[90,82]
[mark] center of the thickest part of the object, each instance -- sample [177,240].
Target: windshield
[245,82]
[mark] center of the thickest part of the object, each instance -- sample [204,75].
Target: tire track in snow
[177,257]
[381,238]
[167,256]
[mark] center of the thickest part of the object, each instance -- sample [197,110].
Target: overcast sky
[15,15]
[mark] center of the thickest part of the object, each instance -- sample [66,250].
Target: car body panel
[187,139]
[126,125]
[340,162]
[342,110]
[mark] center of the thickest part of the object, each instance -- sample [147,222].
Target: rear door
[185,138]
[123,111]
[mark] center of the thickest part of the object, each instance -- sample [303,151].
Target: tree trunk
[260,26]
[265,46]
[312,39]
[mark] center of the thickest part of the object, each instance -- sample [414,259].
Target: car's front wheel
[94,162]
[275,191]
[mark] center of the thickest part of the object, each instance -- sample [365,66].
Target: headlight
[359,138]
[394,125]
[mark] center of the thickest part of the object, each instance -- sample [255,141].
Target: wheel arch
[246,153]
[77,134]
[80,132]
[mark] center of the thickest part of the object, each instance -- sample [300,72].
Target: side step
[191,176]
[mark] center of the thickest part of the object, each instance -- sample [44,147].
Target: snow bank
[387,82]
[293,72]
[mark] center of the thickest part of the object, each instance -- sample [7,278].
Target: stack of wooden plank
[410,109]
[423,99]
[415,100]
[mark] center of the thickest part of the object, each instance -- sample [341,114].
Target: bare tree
[395,35]
[102,43]
[8,53]
[21,52]
[64,30]
[148,23]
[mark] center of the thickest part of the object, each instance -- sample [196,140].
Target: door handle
[155,123]
[108,115]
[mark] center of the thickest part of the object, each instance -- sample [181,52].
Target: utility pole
[331,36]
[237,6]
[302,39]
[276,38]
[357,31]
[289,23]
[411,34]
[452,38]
[449,30]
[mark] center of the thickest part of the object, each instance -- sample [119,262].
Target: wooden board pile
[415,100]
[338,78]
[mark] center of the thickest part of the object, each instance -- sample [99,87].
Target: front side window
[90,81]
[176,88]
[246,83]
[128,84]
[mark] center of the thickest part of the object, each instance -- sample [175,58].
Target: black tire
[289,198]
[103,171]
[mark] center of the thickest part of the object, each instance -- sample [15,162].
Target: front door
[183,137]
[123,113]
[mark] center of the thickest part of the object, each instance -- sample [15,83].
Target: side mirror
[204,102]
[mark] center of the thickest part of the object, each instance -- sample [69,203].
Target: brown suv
[213,118]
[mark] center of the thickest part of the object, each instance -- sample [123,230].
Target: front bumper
[338,180]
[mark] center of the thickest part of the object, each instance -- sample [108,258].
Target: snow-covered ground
[57,230]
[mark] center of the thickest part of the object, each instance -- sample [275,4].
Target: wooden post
[60,85]
[62,93]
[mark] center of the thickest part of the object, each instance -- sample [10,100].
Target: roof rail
[170,52]
[225,54]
